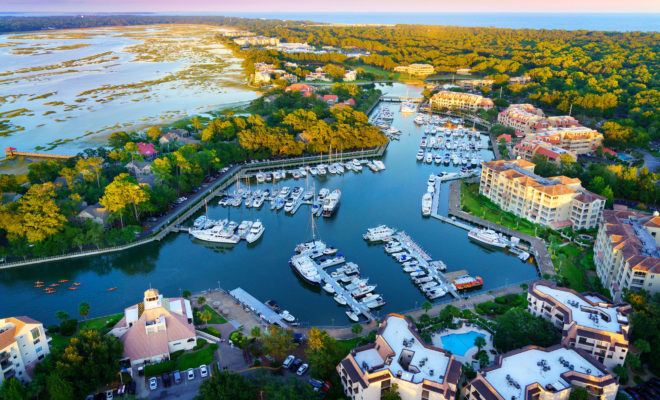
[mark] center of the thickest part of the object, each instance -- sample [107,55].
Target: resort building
[257,41]
[527,149]
[588,321]
[415,69]
[317,76]
[460,101]
[523,118]
[578,139]
[23,343]
[535,373]
[475,84]
[294,47]
[626,252]
[261,77]
[399,356]
[350,76]
[557,202]
[463,71]
[306,90]
[156,327]
[521,80]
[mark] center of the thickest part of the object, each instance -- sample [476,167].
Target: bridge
[12,152]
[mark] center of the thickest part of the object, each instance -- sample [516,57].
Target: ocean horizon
[620,22]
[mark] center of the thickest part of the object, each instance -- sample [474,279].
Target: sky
[219,6]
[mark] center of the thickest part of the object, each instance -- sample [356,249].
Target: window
[39,349]
[425,394]
[35,333]
[36,342]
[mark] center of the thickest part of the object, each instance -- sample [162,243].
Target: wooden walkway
[537,246]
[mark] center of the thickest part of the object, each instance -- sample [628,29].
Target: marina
[260,310]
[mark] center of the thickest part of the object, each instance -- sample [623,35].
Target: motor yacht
[256,231]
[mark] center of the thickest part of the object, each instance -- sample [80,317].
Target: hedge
[160,368]
[212,331]
[200,343]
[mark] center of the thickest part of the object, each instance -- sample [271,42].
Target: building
[96,213]
[177,137]
[578,139]
[460,101]
[416,69]
[463,71]
[257,41]
[306,90]
[626,252]
[147,151]
[520,80]
[261,77]
[156,327]
[237,33]
[399,356]
[23,343]
[328,98]
[505,136]
[294,47]
[318,76]
[289,64]
[523,118]
[350,76]
[475,84]
[527,149]
[535,373]
[557,202]
[588,321]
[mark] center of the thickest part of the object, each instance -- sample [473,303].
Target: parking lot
[186,389]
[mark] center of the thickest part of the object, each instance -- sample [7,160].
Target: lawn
[58,341]
[381,74]
[569,261]
[215,317]
[101,322]
[193,360]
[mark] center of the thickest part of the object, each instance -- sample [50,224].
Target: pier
[12,152]
[261,311]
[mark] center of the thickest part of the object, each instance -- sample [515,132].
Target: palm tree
[83,309]
[480,342]
[205,316]
[186,293]
[255,332]
[62,315]
[426,306]
[201,300]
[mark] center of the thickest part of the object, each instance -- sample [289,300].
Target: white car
[153,383]
[191,374]
[287,361]
[203,371]
[303,368]
[109,395]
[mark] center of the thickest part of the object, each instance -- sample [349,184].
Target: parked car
[316,382]
[191,374]
[203,371]
[153,383]
[177,377]
[296,364]
[287,361]
[109,395]
[167,381]
[302,369]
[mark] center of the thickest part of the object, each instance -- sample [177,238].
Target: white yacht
[420,155]
[261,177]
[218,234]
[244,228]
[328,288]
[352,316]
[311,247]
[429,158]
[256,231]
[487,237]
[323,193]
[357,166]
[427,202]
[288,206]
[408,107]
[258,202]
[331,203]
[380,165]
[287,316]
[340,299]
[378,233]
[419,119]
[305,267]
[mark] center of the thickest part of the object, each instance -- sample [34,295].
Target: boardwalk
[261,311]
[538,247]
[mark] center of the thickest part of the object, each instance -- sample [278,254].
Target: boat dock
[261,311]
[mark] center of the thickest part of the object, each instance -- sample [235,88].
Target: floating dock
[261,311]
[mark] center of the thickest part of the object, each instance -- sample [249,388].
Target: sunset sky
[218,6]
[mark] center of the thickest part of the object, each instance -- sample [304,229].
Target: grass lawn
[58,341]
[101,322]
[381,74]
[568,260]
[215,317]
[194,360]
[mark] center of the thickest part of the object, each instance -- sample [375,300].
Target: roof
[147,149]
[95,211]
[504,136]
[12,327]
[300,87]
[628,233]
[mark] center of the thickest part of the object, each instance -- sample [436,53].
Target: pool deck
[467,358]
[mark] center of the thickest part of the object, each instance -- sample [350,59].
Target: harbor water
[179,262]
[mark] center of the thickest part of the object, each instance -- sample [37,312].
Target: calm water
[391,197]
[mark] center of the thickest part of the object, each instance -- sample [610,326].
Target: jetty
[12,152]
[261,311]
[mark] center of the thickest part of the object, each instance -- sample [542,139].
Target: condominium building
[557,202]
[527,149]
[257,41]
[536,373]
[523,118]
[460,101]
[521,80]
[475,84]
[261,77]
[578,139]
[155,328]
[588,321]
[350,76]
[626,252]
[416,69]
[463,71]
[399,356]
[23,343]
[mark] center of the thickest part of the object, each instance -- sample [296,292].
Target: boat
[279,203]
[236,202]
[218,234]
[77,283]
[352,316]
[73,288]
[428,158]
[38,286]
[378,302]
[63,280]
[111,289]
[362,291]
[331,203]
[258,202]
[256,231]
[328,288]
[311,246]
[372,166]
[419,119]
[305,267]
[427,203]
[465,282]
[313,171]
[408,107]
[287,316]
[369,298]
[288,206]
[380,165]
[340,299]
[323,193]
[244,228]
[261,177]
[330,251]
[487,237]
[356,165]
[420,155]
[296,175]
[378,233]
[437,159]
[394,248]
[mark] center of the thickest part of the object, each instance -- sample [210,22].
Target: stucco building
[23,343]
[460,101]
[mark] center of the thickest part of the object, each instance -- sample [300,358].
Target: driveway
[651,162]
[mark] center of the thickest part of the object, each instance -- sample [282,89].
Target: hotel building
[557,202]
[588,321]
[578,139]
[626,252]
[474,84]
[535,373]
[416,69]
[23,343]
[525,118]
[460,101]
[257,41]
[521,80]
[527,149]
[399,356]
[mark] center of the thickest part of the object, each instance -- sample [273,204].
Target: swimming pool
[460,343]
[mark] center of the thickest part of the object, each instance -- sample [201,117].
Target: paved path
[651,162]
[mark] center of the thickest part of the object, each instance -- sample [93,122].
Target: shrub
[68,327]
[176,354]
[160,368]
[53,328]
[200,343]
[212,331]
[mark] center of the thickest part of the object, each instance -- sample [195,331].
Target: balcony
[4,356]
[10,374]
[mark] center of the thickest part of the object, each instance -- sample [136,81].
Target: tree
[62,315]
[255,332]
[196,124]
[642,346]
[186,294]
[622,373]
[205,316]
[392,393]
[426,306]
[90,168]
[12,389]
[277,342]
[83,309]
[226,386]
[480,342]
[153,133]
[518,328]
[124,191]
[356,329]
[469,372]
[578,393]
[58,387]
[483,359]
[633,361]
[201,300]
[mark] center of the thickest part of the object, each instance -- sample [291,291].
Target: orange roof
[300,87]
[524,163]
[555,190]
[653,222]
[565,180]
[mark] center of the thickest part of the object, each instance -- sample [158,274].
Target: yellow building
[399,356]
[475,84]
[587,321]
[23,343]
[460,101]
[536,373]
[578,139]
[627,253]
[557,202]
[416,69]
